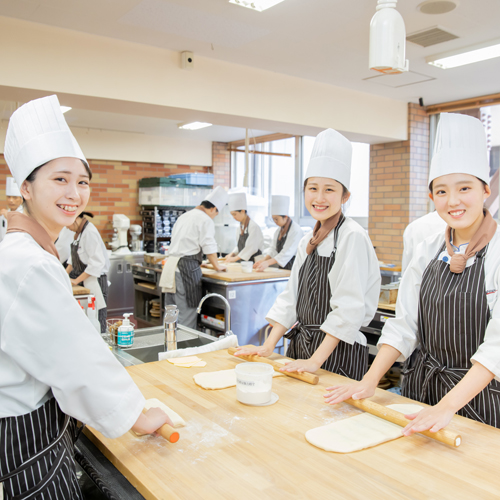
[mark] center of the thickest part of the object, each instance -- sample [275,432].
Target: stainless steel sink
[148,342]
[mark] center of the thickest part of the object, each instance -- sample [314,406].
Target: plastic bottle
[92,313]
[126,332]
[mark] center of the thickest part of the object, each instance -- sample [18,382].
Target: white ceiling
[321,40]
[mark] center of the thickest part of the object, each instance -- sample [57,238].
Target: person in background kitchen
[63,245]
[54,366]
[250,237]
[334,285]
[14,204]
[448,303]
[89,262]
[193,235]
[286,238]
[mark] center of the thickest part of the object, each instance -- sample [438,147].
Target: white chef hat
[331,157]
[237,201]
[218,197]
[38,133]
[280,205]
[12,189]
[460,148]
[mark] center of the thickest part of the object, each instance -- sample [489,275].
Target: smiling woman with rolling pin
[447,323]
[335,281]
[53,364]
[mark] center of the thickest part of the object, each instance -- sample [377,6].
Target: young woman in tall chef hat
[53,364]
[286,238]
[335,282]
[447,323]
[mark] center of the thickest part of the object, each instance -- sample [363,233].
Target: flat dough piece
[184,361]
[283,361]
[220,379]
[177,420]
[359,432]
[189,365]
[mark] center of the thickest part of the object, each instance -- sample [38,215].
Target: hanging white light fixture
[258,5]
[388,39]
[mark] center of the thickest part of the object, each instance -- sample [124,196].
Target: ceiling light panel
[194,125]
[465,56]
[64,109]
[258,5]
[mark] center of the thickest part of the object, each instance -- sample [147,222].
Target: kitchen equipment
[254,383]
[119,243]
[170,327]
[135,232]
[444,436]
[304,376]
[168,432]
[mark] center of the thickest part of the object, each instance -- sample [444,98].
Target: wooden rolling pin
[167,431]
[304,376]
[444,436]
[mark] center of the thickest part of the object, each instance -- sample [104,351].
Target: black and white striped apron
[189,267]
[79,268]
[242,241]
[36,455]
[279,246]
[453,314]
[313,306]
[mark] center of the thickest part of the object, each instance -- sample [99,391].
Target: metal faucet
[170,327]
[227,311]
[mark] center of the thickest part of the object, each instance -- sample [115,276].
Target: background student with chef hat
[53,364]
[286,238]
[193,235]
[250,237]
[335,281]
[14,204]
[88,262]
[447,324]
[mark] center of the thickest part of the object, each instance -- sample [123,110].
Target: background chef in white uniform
[53,364]
[63,245]
[14,203]
[250,237]
[89,262]
[193,235]
[286,239]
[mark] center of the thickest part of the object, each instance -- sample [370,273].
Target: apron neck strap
[285,228]
[244,225]
[82,226]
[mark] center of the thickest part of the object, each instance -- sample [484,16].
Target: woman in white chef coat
[335,281]
[447,324]
[89,262]
[250,237]
[14,204]
[54,367]
[286,238]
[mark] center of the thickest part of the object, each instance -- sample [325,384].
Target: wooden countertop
[232,451]
[80,290]
[234,273]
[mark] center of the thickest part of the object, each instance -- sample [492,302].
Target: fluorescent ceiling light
[258,5]
[64,109]
[470,55]
[194,125]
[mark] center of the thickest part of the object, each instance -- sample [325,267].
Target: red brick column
[398,186]
[221,164]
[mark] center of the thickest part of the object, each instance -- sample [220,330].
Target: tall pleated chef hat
[218,197]
[280,205]
[12,189]
[460,148]
[38,133]
[237,201]
[331,157]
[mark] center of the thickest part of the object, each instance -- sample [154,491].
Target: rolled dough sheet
[220,379]
[177,420]
[359,432]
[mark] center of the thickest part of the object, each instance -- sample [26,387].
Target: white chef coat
[63,244]
[295,234]
[354,282]
[193,231]
[255,241]
[48,346]
[416,232]
[401,332]
[92,252]
[3,221]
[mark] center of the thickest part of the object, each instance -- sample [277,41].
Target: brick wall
[221,164]
[115,186]
[398,186]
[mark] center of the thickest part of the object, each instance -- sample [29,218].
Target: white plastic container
[246,266]
[254,383]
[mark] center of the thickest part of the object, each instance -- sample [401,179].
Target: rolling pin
[304,376]
[167,431]
[444,436]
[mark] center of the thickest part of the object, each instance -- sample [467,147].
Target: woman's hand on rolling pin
[301,365]
[151,421]
[431,419]
[359,390]
[75,282]
[261,265]
[229,259]
[261,350]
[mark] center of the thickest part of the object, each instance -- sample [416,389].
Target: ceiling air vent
[431,36]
